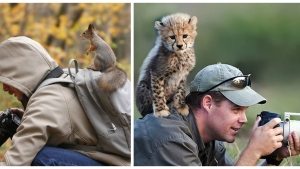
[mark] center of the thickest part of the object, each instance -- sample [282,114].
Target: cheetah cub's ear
[193,20]
[159,25]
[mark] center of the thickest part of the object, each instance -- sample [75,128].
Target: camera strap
[55,73]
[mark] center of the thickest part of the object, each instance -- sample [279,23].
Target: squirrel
[104,61]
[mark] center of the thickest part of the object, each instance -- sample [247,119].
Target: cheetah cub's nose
[179,46]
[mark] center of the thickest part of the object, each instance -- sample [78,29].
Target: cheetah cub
[164,71]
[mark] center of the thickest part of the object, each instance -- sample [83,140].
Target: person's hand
[294,144]
[265,139]
[17,111]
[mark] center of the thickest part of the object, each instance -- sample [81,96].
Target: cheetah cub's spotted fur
[164,71]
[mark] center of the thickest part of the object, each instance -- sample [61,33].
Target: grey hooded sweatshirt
[53,114]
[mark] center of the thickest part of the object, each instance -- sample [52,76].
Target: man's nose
[243,118]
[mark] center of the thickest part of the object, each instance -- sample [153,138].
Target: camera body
[267,116]
[287,125]
[9,122]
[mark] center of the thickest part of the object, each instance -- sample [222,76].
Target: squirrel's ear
[159,25]
[91,27]
[193,20]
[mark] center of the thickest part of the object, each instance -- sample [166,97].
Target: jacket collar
[195,133]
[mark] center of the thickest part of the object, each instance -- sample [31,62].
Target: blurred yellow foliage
[57,27]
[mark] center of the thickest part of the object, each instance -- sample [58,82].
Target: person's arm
[42,121]
[263,141]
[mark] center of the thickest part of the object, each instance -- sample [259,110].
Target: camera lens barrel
[290,125]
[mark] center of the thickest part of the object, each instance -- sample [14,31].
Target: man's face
[12,91]
[226,120]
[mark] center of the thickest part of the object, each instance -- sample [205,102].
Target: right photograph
[216,84]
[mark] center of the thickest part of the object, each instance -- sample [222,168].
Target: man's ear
[207,102]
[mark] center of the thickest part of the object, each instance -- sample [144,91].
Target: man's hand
[17,111]
[266,139]
[263,141]
[294,144]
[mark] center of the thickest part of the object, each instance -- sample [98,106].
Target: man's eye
[185,36]
[172,37]
[236,109]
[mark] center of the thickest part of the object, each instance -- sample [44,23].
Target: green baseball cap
[228,80]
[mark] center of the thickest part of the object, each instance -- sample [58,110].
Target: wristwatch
[271,159]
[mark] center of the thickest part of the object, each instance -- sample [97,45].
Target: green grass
[235,149]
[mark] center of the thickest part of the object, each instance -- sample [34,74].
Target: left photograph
[65,79]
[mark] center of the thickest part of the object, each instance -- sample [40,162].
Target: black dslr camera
[267,116]
[9,123]
[288,125]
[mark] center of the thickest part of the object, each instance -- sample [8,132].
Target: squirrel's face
[86,35]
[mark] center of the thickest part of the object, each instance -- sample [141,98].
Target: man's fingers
[17,111]
[294,142]
[255,125]
[272,123]
[278,131]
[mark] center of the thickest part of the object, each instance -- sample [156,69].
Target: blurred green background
[260,39]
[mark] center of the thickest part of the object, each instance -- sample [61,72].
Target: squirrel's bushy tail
[112,79]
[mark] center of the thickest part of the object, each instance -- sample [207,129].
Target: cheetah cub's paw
[162,113]
[184,110]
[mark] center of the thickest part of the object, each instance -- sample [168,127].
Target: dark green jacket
[174,140]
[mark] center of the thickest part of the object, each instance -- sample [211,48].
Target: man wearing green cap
[219,96]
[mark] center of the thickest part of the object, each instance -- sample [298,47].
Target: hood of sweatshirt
[24,63]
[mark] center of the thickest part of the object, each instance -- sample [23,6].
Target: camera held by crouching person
[287,124]
[9,122]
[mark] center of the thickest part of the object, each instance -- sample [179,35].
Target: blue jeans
[53,156]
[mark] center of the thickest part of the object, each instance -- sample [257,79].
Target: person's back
[53,115]
[174,140]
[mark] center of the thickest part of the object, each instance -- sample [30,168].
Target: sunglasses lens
[242,81]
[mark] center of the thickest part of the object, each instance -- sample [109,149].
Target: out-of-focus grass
[4,148]
[235,149]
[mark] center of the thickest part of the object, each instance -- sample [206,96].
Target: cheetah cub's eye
[185,36]
[172,37]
